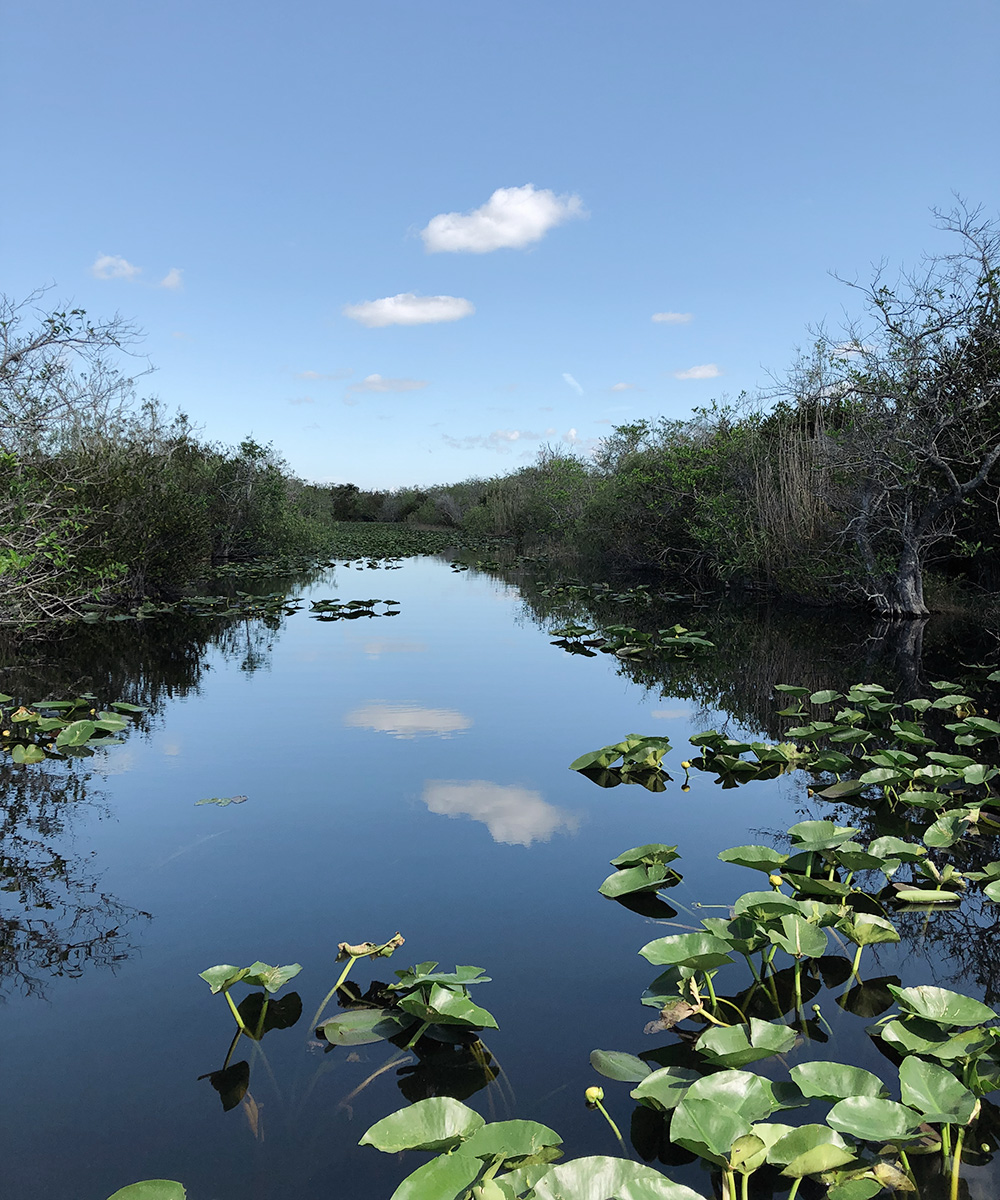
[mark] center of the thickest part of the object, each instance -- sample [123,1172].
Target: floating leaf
[616,1064]
[438,1123]
[835,1081]
[872,1119]
[942,1006]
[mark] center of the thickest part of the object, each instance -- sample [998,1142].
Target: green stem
[711,989]
[728,1184]
[798,985]
[236,1013]
[946,1141]
[745,1187]
[260,1020]
[856,964]
[956,1164]
[332,992]
[424,1026]
[614,1128]
[795,1189]
[232,1047]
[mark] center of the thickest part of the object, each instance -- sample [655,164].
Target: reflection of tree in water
[758,645]
[54,918]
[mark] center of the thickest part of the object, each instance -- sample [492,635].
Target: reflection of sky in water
[375,647]
[512,814]
[669,714]
[407,720]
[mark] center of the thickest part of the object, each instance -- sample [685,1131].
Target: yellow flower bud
[775,881]
[686,766]
[594,1094]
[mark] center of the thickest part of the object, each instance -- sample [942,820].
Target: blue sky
[246,180]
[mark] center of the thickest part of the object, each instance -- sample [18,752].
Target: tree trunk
[906,595]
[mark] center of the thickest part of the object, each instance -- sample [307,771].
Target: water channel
[400,774]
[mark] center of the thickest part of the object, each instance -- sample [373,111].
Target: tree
[911,403]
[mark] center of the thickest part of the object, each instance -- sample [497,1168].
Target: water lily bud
[686,765]
[775,881]
[685,787]
[594,1094]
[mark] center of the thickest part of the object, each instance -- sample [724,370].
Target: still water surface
[406,773]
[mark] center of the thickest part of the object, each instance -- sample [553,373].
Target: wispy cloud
[623,387]
[379,383]
[512,217]
[501,440]
[407,720]
[573,383]
[173,280]
[409,309]
[705,371]
[316,375]
[113,266]
[302,400]
[672,318]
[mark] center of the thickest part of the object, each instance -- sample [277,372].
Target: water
[401,773]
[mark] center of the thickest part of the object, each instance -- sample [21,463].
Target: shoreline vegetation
[870,468]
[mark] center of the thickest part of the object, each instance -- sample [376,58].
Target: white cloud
[850,349]
[706,371]
[409,309]
[500,440]
[407,720]
[379,383]
[314,375]
[112,266]
[511,218]
[669,714]
[173,280]
[573,383]
[302,400]
[623,387]
[514,815]
[672,318]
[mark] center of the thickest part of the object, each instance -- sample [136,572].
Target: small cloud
[172,280]
[181,335]
[500,440]
[623,387]
[409,309]
[111,266]
[302,400]
[706,371]
[603,421]
[573,383]
[514,815]
[546,408]
[312,376]
[511,218]
[584,445]
[669,714]
[672,318]
[408,720]
[379,383]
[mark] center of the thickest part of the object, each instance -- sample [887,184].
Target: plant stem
[745,1187]
[232,1047]
[856,964]
[795,1189]
[331,993]
[236,1013]
[424,1026]
[614,1128]
[711,989]
[260,1019]
[956,1164]
[946,1141]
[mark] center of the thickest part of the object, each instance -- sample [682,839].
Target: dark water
[401,773]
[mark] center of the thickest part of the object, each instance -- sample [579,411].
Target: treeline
[103,499]
[876,460]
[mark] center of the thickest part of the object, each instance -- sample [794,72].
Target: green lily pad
[436,1124]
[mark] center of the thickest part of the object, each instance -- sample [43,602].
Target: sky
[414,242]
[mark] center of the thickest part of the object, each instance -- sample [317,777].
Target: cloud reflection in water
[407,720]
[514,815]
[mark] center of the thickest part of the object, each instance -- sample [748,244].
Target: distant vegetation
[875,460]
[105,499]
